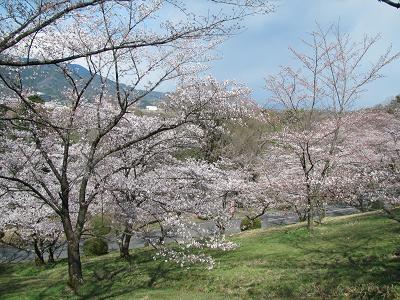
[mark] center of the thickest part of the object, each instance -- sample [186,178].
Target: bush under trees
[95,246]
[250,224]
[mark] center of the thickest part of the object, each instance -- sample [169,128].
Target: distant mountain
[79,70]
[49,82]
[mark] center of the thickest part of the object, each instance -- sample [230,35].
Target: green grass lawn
[347,257]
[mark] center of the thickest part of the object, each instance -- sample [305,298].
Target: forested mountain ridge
[49,82]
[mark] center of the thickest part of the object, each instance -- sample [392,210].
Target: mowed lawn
[347,257]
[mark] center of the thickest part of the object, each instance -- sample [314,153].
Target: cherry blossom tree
[171,196]
[114,40]
[31,225]
[140,176]
[39,150]
[369,162]
[60,152]
[332,75]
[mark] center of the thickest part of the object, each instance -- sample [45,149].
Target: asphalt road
[268,220]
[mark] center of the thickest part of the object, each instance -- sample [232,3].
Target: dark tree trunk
[51,255]
[74,258]
[74,264]
[125,241]
[362,205]
[220,226]
[310,202]
[320,210]
[301,214]
[310,213]
[124,245]
[302,218]
[39,260]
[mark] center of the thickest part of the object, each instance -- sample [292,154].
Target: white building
[151,107]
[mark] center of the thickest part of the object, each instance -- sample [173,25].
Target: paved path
[268,220]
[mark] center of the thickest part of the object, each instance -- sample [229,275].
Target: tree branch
[391,3]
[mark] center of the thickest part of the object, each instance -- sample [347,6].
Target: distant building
[151,107]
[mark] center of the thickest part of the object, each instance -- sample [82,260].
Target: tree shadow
[140,271]
[160,272]
[350,263]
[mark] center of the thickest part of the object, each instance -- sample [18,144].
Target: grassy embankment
[347,257]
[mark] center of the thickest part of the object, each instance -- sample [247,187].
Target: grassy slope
[346,257]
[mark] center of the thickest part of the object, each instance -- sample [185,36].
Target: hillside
[348,257]
[48,81]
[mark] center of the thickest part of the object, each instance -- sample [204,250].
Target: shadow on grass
[120,276]
[358,268]
[26,277]
[105,278]
[340,260]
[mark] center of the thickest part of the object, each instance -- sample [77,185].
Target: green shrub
[249,224]
[100,226]
[190,153]
[95,247]
[376,205]
[36,99]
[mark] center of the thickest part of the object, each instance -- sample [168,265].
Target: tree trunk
[39,260]
[320,210]
[125,240]
[51,255]
[310,213]
[74,264]
[124,246]
[74,258]
[361,205]
[310,221]
[221,227]
[301,214]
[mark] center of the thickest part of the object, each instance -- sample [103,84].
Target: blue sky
[263,46]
